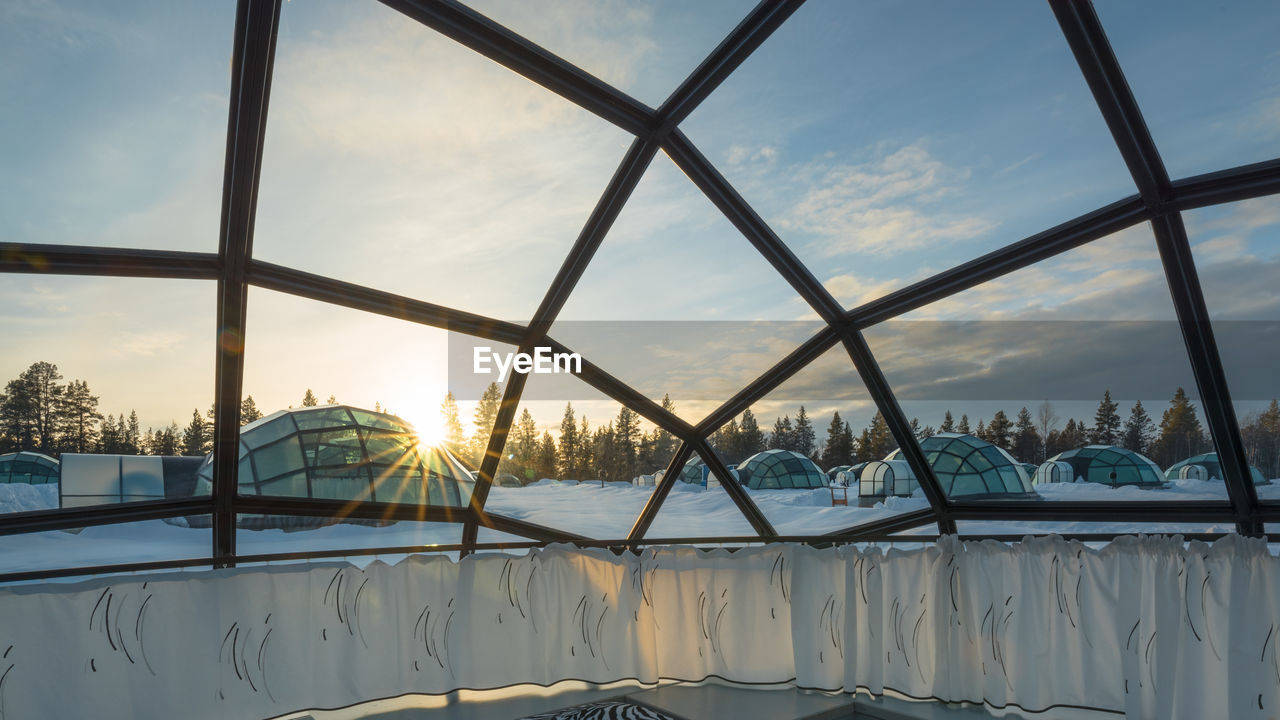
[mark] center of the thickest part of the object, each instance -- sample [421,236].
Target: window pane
[888,141]
[1237,253]
[265,534]
[389,429]
[702,314]
[114,122]
[1204,75]
[1082,349]
[399,159]
[107,385]
[585,465]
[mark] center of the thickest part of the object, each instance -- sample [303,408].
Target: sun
[426,420]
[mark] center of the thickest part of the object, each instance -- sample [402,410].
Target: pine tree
[486,415]
[1261,433]
[1106,422]
[249,411]
[662,443]
[29,413]
[570,446]
[1026,441]
[876,441]
[948,423]
[166,441]
[309,400]
[1180,433]
[78,413]
[981,433]
[802,437]
[109,440]
[963,427]
[726,441]
[626,433]
[546,462]
[333,400]
[454,439]
[782,439]
[586,451]
[193,438]
[1000,431]
[750,436]
[132,435]
[838,449]
[1139,430]
[524,443]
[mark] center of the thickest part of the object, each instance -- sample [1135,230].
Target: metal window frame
[1159,201]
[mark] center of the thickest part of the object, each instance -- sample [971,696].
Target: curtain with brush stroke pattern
[1147,627]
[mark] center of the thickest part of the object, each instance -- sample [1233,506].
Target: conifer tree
[1000,431]
[486,415]
[1106,422]
[1180,433]
[249,411]
[454,439]
[963,427]
[948,423]
[547,453]
[750,437]
[79,417]
[570,446]
[802,437]
[1139,430]
[781,438]
[193,438]
[1027,444]
[309,400]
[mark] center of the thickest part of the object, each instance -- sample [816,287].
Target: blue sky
[883,141]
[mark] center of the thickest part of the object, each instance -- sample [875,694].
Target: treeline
[39,412]
[616,451]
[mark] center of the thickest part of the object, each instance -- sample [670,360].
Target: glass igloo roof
[1057,207]
[1110,465]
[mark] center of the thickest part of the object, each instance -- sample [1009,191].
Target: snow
[591,509]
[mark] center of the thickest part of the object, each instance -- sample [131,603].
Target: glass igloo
[344,453]
[1206,467]
[774,469]
[32,468]
[1102,464]
[969,467]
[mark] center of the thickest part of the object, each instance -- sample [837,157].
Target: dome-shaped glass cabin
[1207,467]
[776,469]
[32,468]
[344,453]
[1102,464]
[965,466]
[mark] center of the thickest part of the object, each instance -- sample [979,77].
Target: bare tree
[1046,420]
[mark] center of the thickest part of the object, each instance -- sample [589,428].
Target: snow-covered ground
[603,512]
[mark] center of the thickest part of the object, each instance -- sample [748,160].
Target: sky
[883,141]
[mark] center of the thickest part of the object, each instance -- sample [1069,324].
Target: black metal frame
[1159,201]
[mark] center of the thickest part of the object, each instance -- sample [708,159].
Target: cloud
[885,206]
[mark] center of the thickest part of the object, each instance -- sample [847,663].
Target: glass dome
[1206,467]
[32,468]
[344,453]
[1102,464]
[967,466]
[772,469]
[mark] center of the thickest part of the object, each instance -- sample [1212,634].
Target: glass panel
[1082,349]
[1237,253]
[177,538]
[785,445]
[645,49]
[115,122]
[97,371]
[388,417]
[398,159]
[585,466]
[1222,55]
[888,141]
[264,534]
[699,508]
[705,315]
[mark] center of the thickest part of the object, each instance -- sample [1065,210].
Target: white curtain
[1149,627]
